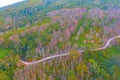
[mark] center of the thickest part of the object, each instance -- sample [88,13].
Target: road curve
[65,54]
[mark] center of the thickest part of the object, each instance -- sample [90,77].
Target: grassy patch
[113,51]
[115,55]
[4,52]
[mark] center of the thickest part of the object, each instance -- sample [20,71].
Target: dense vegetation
[90,66]
[32,30]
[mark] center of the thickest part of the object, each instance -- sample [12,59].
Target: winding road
[65,54]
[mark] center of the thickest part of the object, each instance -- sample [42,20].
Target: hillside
[30,12]
[34,30]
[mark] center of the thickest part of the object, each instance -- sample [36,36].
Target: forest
[34,30]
